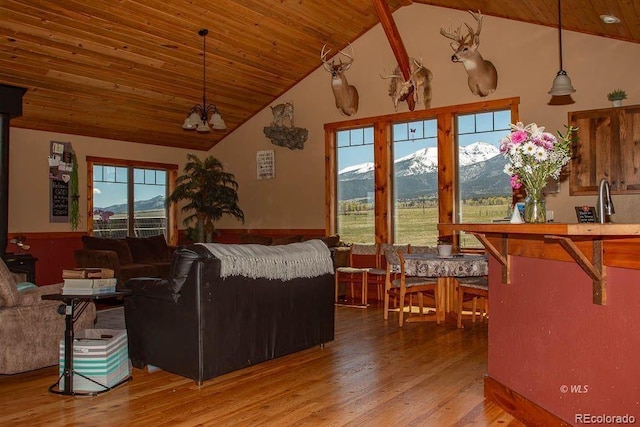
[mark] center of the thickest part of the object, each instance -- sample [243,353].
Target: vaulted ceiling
[130,70]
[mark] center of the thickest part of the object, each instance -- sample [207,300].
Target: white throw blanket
[281,262]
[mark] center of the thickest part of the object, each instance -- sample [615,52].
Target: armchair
[30,328]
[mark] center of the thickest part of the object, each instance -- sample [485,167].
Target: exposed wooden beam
[393,35]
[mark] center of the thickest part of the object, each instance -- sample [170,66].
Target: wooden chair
[392,273]
[418,249]
[404,285]
[361,260]
[377,276]
[470,289]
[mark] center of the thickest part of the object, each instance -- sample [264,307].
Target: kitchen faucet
[605,204]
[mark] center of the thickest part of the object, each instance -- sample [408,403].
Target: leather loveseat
[200,324]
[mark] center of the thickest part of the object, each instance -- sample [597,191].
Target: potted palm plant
[210,193]
[616,97]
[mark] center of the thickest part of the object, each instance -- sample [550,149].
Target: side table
[73,307]
[22,263]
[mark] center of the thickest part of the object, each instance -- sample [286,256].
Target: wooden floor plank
[373,374]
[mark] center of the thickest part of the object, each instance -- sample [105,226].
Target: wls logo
[575,388]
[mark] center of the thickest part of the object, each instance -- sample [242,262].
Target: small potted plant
[616,97]
[445,246]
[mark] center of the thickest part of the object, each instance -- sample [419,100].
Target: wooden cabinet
[607,145]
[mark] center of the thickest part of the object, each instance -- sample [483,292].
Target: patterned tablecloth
[430,265]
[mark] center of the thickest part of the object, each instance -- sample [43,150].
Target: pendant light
[562,83]
[198,116]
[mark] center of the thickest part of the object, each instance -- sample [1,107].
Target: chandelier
[201,115]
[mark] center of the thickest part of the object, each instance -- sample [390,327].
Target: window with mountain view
[386,172]
[129,201]
[484,191]
[355,187]
[415,185]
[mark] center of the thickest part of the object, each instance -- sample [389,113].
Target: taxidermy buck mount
[399,51]
[346,95]
[400,89]
[483,77]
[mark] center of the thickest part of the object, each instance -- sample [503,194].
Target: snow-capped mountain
[155,203]
[422,161]
[477,152]
[356,170]
[481,174]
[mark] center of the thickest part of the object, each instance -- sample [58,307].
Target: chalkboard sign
[586,214]
[59,201]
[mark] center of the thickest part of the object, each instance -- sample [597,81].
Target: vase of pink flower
[535,156]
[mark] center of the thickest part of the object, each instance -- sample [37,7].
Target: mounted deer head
[345,94]
[483,77]
[399,89]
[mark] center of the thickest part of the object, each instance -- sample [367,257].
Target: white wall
[29,173]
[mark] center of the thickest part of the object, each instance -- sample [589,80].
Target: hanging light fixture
[198,116]
[562,83]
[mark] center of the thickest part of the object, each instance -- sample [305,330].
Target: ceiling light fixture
[198,115]
[562,83]
[610,19]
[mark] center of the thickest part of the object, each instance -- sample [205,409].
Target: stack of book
[87,273]
[88,281]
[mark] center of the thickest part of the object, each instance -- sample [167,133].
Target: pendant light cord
[560,32]
[204,33]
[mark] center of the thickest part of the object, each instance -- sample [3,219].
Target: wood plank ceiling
[130,70]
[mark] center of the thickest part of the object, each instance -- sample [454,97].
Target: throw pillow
[332,241]
[119,246]
[148,249]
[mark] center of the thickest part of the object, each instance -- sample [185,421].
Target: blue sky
[112,187]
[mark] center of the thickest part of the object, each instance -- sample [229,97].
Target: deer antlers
[471,37]
[418,66]
[329,65]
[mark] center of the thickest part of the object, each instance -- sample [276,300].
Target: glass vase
[535,210]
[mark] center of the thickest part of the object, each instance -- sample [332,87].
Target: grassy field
[415,225]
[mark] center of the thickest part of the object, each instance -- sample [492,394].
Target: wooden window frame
[383,161]
[172,174]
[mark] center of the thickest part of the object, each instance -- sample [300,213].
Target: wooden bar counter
[564,330]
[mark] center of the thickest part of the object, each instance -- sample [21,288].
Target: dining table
[446,269]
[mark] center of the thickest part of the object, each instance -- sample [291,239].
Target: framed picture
[265,162]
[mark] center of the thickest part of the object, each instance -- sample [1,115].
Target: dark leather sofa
[200,326]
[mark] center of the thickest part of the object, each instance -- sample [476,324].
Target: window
[422,172]
[128,199]
[355,189]
[415,181]
[484,191]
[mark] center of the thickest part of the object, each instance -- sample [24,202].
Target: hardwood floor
[373,374]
